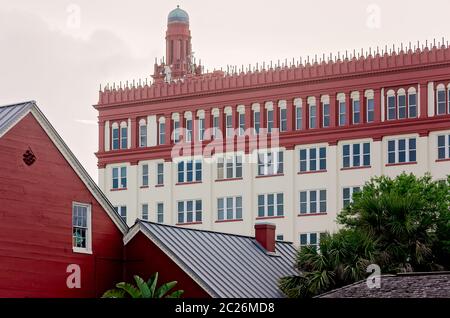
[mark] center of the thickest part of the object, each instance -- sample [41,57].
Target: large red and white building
[288,143]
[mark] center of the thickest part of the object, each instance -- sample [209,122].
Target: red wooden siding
[144,258]
[36,222]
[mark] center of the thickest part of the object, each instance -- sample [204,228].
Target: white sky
[50,54]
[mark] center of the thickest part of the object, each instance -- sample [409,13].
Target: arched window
[115,136]
[123,135]
[312,104]
[342,109]
[391,113]
[298,114]
[356,107]
[401,102]
[412,102]
[142,133]
[441,107]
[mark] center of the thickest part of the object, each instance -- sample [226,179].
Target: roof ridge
[208,231]
[18,104]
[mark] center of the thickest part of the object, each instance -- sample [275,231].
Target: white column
[107,135]
[431,95]
[377,158]
[152,136]
[382,104]
[129,134]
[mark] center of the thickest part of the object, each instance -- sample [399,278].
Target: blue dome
[178,15]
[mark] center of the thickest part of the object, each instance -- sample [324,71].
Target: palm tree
[143,289]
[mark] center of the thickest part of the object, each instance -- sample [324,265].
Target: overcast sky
[58,52]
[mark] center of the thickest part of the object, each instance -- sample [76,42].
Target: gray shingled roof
[227,265]
[407,285]
[11,114]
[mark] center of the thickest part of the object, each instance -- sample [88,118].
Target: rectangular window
[356,155]
[229,208]
[313,201]
[443,147]
[229,125]
[229,167]
[188,130]
[122,211]
[241,124]
[145,175]
[342,113]
[176,131]
[270,205]
[412,105]
[356,112]
[215,127]
[370,110]
[124,138]
[391,107]
[115,138]
[298,118]
[280,237]
[81,227]
[311,240]
[283,119]
[312,116]
[270,163]
[347,195]
[313,159]
[119,178]
[143,135]
[145,211]
[160,212]
[256,122]
[189,171]
[201,129]
[402,106]
[441,107]
[189,211]
[162,133]
[269,121]
[326,115]
[402,150]
[160,173]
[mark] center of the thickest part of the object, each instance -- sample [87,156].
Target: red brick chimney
[265,235]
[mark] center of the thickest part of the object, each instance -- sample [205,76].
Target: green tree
[400,224]
[143,289]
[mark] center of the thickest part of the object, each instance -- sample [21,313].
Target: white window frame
[234,208]
[402,93]
[308,159]
[446,146]
[119,210]
[215,126]
[123,128]
[352,190]
[354,112]
[412,92]
[283,120]
[256,123]
[369,110]
[397,152]
[159,213]
[308,239]
[439,89]
[145,175]
[308,202]
[361,155]
[273,167]
[120,176]
[162,133]
[266,205]
[194,211]
[312,118]
[201,129]
[194,170]
[188,129]
[241,119]
[144,212]
[176,131]
[270,123]
[88,248]
[389,106]
[159,174]
[342,112]
[222,165]
[298,118]
[326,115]
[143,133]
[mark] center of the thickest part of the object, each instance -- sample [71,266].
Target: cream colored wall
[291,183]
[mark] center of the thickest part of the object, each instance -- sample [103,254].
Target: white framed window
[122,211]
[215,127]
[270,204]
[123,136]
[270,120]
[312,116]
[313,201]
[142,133]
[298,118]
[162,133]
[283,119]
[412,103]
[145,175]
[326,115]
[401,102]
[256,121]
[119,177]
[370,110]
[391,107]
[313,159]
[81,228]
[229,208]
[160,174]
[356,155]
[441,103]
[229,125]
[160,212]
[189,211]
[229,167]
[280,237]
[201,129]
[311,239]
[144,211]
[270,163]
[443,144]
[347,195]
[342,113]
[190,171]
[176,131]
[401,150]
[241,124]
[188,130]
[356,116]
[115,145]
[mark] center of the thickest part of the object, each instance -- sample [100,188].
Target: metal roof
[226,265]
[11,114]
